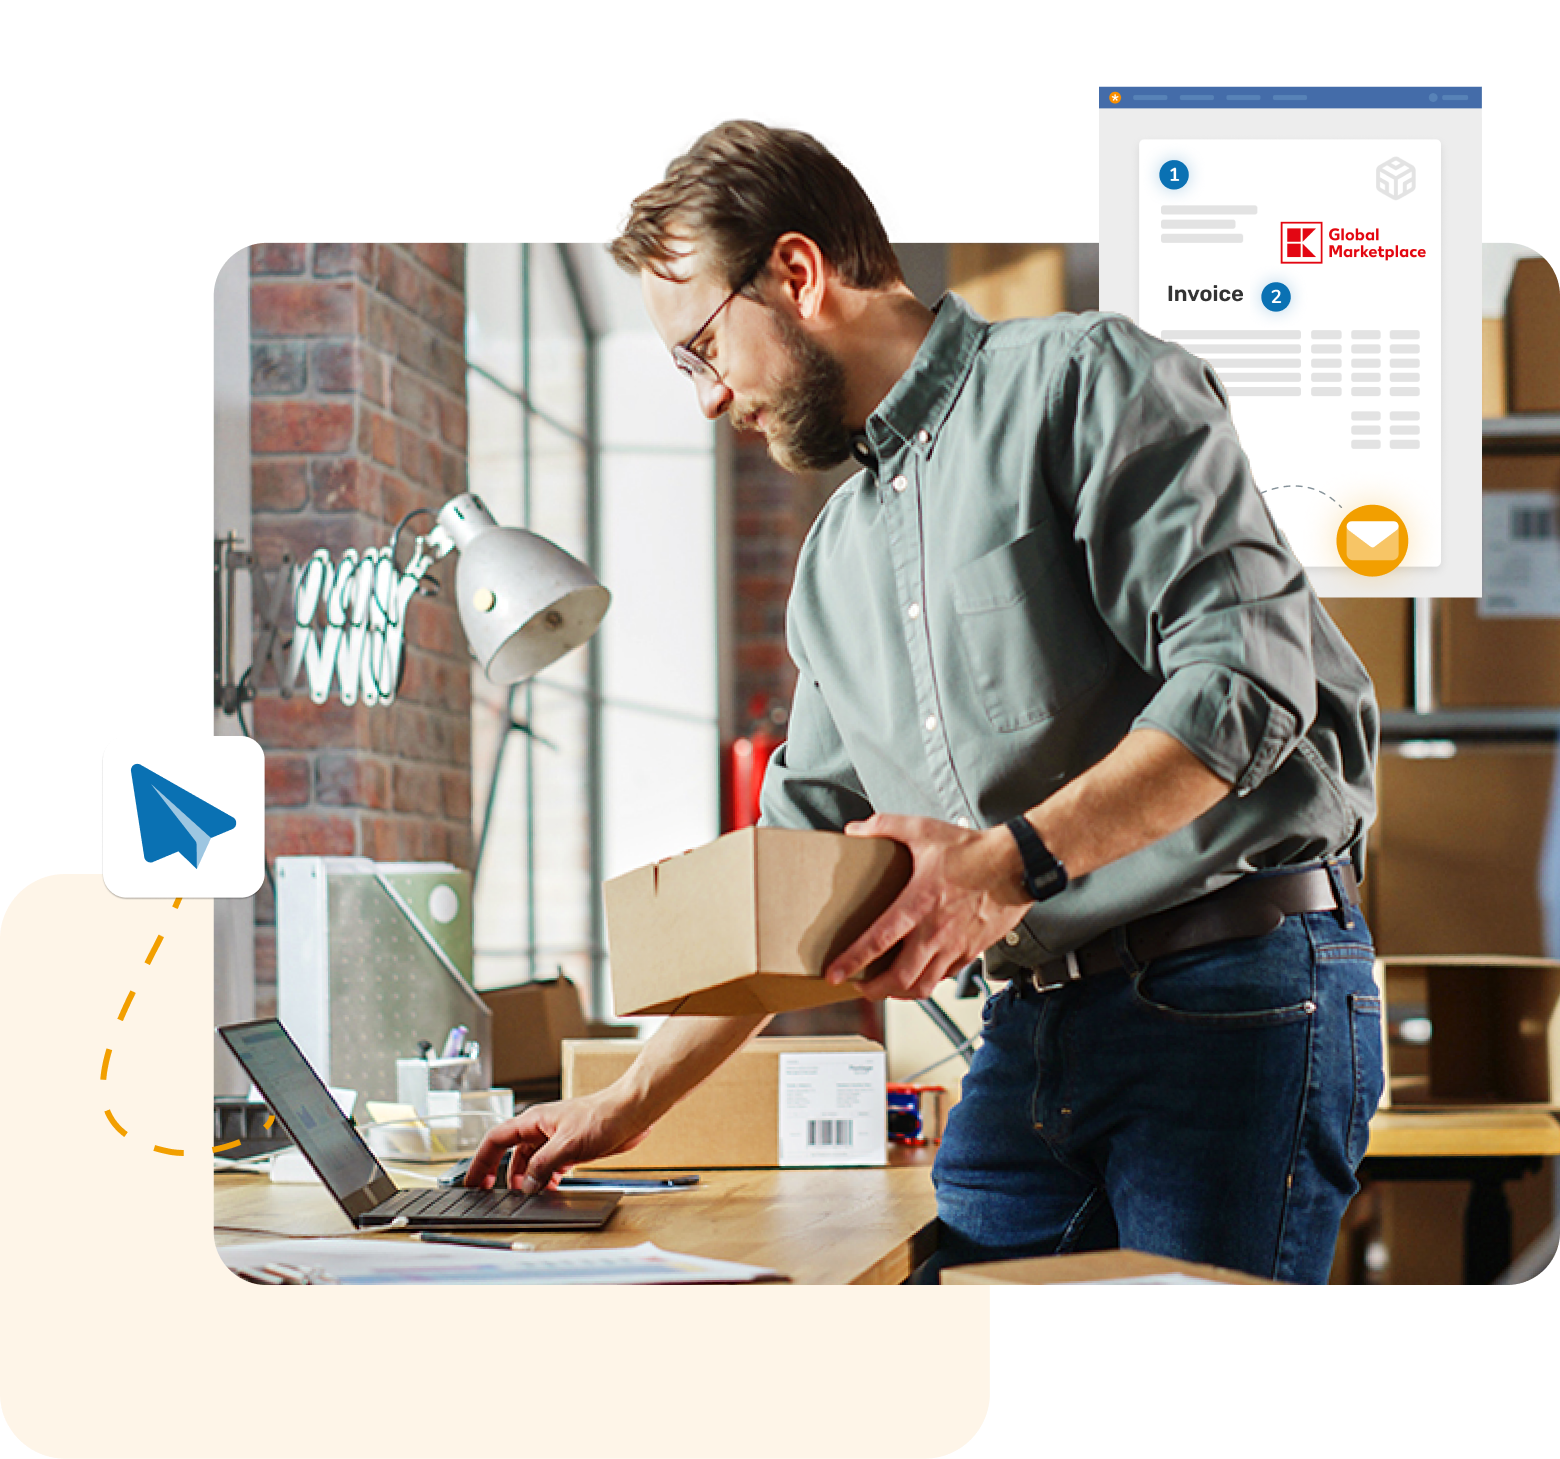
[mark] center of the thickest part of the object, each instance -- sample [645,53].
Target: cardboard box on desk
[777,1101]
[1092,1266]
[531,1022]
[748,923]
[1470,1030]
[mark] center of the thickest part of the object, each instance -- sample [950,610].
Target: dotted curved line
[1288,486]
[234,1144]
[108,1053]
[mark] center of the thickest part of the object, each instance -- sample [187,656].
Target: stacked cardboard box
[1453,867]
[1470,1005]
[1533,337]
[1009,280]
[1379,630]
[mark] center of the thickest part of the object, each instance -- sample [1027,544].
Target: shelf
[1398,725]
[1532,432]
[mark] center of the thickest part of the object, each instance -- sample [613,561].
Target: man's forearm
[1149,786]
[682,1053]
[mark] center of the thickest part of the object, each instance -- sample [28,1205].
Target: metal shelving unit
[1513,435]
[1428,727]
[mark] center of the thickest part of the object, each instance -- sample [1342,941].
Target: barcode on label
[830,1134]
[1532,524]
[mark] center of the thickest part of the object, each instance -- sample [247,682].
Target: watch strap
[1044,875]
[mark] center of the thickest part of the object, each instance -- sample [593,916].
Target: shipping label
[833,1109]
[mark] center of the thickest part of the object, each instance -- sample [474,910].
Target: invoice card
[1307,273]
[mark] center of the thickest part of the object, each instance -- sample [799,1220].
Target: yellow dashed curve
[103,1073]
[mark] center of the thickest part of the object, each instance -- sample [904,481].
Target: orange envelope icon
[1372,541]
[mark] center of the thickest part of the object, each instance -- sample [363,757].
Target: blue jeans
[1211,1105]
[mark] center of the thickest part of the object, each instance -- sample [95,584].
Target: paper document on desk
[375,1261]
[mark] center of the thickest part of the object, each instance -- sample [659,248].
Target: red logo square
[1299,242]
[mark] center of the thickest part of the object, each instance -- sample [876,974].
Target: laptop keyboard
[460,1201]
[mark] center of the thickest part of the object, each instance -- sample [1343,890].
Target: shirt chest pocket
[1031,643]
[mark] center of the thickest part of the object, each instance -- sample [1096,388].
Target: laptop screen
[312,1117]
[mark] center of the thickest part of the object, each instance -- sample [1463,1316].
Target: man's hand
[550,1138]
[965,892]
[966,887]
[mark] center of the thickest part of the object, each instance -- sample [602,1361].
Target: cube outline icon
[1395,178]
[1294,242]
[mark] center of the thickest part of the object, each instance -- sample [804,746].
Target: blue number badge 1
[1174,174]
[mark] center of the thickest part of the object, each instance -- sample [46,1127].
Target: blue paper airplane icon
[174,820]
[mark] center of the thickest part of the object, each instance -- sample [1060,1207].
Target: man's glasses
[687,357]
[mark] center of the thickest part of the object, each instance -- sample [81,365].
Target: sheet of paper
[376,1261]
[1308,274]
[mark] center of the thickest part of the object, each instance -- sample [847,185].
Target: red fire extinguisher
[746,759]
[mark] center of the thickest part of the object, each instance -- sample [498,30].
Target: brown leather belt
[1250,907]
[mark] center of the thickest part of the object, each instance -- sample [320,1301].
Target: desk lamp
[523,602]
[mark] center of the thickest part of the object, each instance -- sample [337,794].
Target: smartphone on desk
[630,1185]
[626,1184]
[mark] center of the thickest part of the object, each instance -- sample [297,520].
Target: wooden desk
[831,1227]
[1397,1134]
[1486,1147]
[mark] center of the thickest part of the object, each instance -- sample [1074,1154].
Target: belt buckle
[1074,973]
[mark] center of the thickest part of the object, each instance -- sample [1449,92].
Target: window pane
[493,309]
[535,891]
[494,462]
[557,341]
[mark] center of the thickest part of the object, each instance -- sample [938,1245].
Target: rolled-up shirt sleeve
[810,783]
[1184,560]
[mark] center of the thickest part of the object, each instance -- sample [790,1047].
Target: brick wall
[766,540]
[358,416]
[772,511]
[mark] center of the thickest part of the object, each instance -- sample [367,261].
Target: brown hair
[742,185]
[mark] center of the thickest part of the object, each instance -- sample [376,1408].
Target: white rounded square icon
[184,818]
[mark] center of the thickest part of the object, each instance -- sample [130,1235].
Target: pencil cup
[416,1078]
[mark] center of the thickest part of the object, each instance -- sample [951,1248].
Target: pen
[260,1276]
[628,1186]
[493,1244]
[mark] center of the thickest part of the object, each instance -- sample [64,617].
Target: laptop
[361,1185]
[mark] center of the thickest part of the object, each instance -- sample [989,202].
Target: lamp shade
[523,601]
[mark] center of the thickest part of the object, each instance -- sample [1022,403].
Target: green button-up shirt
[1061,541]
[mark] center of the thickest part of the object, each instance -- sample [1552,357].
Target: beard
[805,421]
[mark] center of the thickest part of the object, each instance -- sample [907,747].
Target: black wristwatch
[1044,875]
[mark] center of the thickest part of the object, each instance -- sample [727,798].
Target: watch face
[1044,875]
[1048,883]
